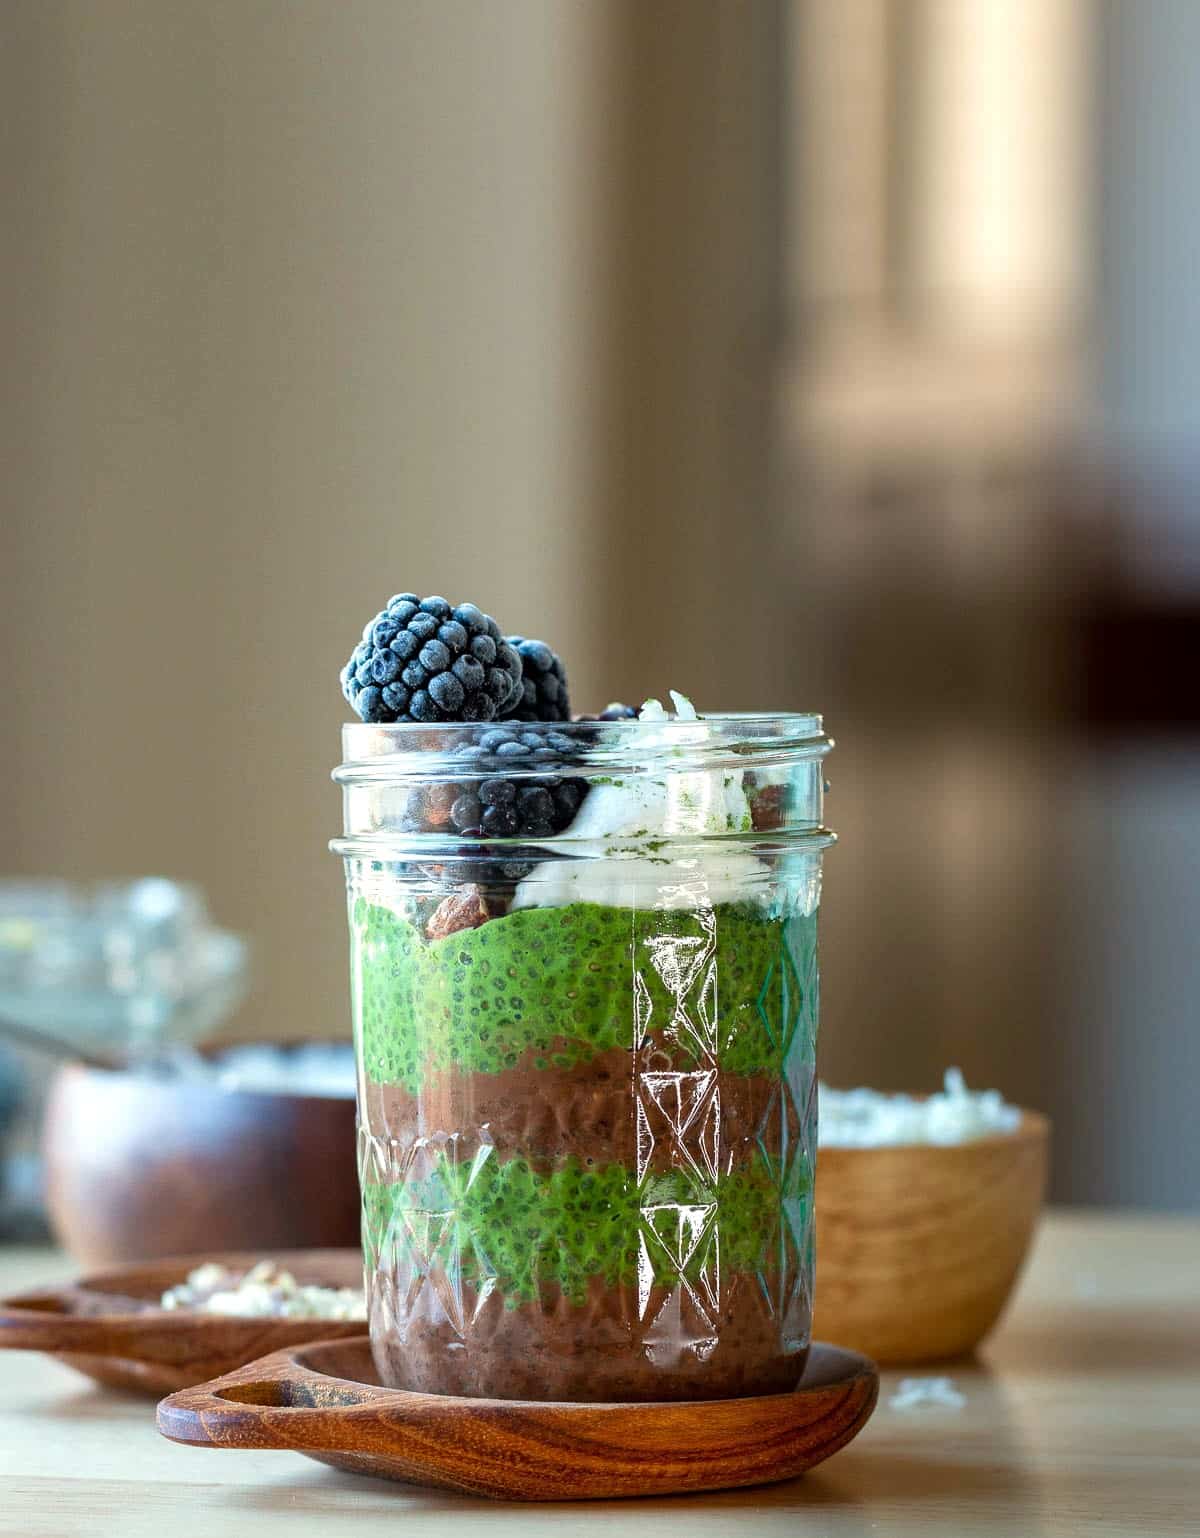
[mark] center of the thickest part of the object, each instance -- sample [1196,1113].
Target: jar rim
[408,750]
[693,765]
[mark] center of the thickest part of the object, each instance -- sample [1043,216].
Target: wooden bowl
[325,1401]
[139,1167]
[918,1247]
[110,1328]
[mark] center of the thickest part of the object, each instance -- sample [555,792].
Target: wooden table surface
[1082,1416]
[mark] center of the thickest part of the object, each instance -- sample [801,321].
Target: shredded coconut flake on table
[864,1118]
[921,1393]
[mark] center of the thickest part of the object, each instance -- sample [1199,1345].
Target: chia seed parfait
[585,997]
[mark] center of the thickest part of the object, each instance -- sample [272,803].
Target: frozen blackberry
[544,684]
[540,806]
[492,800]
[613,713]
[421,660]
[499,803]
[489,799]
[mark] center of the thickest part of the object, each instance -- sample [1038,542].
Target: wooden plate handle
[273,1403]
[43,1321]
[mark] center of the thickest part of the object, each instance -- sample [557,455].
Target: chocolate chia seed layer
[611,1346]
[588,1111]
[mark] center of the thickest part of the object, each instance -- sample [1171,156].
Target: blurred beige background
[310,303]
[757,349]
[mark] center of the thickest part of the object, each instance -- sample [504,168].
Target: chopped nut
[767,808]
[428,808]
[464,909]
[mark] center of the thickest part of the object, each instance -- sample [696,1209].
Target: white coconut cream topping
[632,830]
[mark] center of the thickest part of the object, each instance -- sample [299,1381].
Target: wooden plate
[109,1326]
[325,1401]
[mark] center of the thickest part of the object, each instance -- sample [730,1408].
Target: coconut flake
[864,1118]
[927,1393]
[266,1291]
[653,710]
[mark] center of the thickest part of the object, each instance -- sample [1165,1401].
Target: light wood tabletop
[1082,1416]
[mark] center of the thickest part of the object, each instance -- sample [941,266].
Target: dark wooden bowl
[109,1325]
[325,1401]
[139,1167]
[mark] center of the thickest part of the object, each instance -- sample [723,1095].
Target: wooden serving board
[325,1401]
[109,1325]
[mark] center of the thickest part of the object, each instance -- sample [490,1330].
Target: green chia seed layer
[575,981]
[528,1230]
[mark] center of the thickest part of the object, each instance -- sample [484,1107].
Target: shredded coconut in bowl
[266,1291]
[863,1118]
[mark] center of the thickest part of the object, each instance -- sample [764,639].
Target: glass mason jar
[587,1108]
